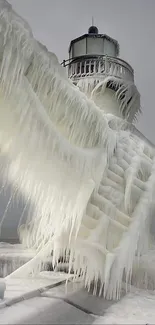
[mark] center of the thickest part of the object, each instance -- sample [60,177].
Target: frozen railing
[100,66]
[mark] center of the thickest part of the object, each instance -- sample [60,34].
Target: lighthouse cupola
[93,44]
[95,67]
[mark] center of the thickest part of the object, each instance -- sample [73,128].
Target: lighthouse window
[82,67]
[102,66]
[78,67]
[92,67]
[85,67]
[89,67]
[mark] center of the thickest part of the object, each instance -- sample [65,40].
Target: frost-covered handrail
[99,67]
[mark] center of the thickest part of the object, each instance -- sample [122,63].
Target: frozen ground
[56,306]
[47,300]
[134,308]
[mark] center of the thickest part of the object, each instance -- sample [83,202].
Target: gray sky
[132,22]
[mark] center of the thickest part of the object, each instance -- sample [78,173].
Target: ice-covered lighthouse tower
[95,67]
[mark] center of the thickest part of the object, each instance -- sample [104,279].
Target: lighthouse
[95,67]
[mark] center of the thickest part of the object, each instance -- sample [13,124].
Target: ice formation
[90,180]
[2,289]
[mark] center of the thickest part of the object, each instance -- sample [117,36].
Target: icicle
[65,155]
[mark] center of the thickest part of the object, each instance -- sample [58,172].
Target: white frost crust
[91,184]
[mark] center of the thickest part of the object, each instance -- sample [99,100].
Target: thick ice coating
[90,180]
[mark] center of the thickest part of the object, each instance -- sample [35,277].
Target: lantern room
[93,44]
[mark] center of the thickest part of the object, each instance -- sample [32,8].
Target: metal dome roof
[93,30]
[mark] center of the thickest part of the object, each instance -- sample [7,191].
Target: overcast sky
[132,22]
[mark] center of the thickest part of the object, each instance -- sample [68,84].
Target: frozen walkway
[76,306]
[48,300]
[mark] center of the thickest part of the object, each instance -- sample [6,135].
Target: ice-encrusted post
[2,288]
